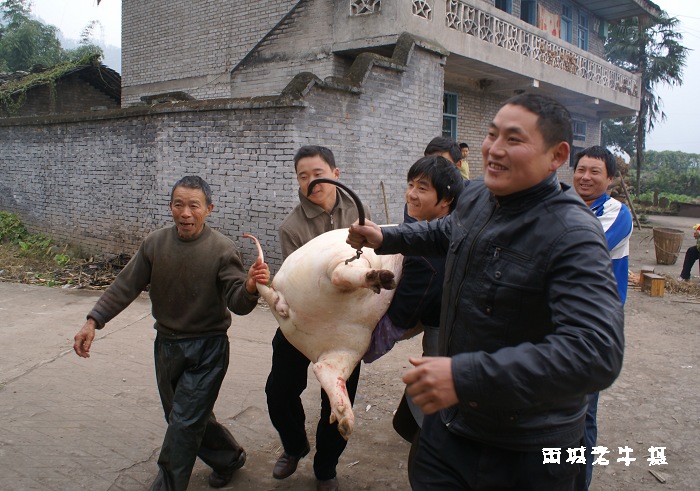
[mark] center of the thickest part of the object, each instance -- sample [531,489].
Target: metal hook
[355,198]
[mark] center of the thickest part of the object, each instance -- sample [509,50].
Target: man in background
[594,169]
[464,162]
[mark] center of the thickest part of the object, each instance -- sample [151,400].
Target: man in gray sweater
[196,277]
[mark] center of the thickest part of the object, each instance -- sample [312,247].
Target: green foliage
[619,133]
[26,43]
[29,44]
[36,245]
[651,47]
[648,196]
[12,94]
[85,48]
[11,229]
[671,173]
[61,259]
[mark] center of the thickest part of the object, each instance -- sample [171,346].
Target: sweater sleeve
[233,276]
[126,287]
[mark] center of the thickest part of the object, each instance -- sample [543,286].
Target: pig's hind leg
[348,277]
[332,377]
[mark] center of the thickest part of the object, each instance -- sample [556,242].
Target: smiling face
[422,202]
[190,210]
[310,168]
[514,152]
[591,179]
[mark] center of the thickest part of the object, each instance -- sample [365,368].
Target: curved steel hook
[355,198]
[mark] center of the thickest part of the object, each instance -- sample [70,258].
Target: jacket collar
[529,197]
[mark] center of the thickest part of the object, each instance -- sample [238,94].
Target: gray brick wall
[303,42]
[195,42]
[104,183]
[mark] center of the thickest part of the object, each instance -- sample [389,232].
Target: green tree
[85,46]
[649,46]
[25,42]
[671,172]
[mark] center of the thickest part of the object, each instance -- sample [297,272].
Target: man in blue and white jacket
[594,170]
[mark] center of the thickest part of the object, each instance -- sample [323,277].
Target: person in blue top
[594,169]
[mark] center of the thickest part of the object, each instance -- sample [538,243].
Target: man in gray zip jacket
[531,320]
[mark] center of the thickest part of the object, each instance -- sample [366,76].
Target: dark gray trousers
[189,373]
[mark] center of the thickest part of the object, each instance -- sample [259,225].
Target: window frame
[508,5]
[583,31]
[447,117]
[532,20]
[579,128]
[568,21]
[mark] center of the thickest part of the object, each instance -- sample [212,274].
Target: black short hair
[553,119]
[463,145]
[193,182]
[315,151]
[443,175]
[442,144]
[600,153]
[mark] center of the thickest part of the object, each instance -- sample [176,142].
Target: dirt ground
[654,403]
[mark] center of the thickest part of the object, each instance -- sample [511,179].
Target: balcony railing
[492,29]
[524,40]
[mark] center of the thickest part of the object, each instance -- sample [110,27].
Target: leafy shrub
[11,229]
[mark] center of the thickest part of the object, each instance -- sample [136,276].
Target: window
[583,31]
[528,11]
[579,128]
[505,5]
[449,115]
[572,155]
[567,22]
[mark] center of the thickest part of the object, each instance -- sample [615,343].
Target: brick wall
[103,183]
[71,95]
[177,40]
[303,42]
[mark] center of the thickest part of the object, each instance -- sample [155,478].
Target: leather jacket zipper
[466,269]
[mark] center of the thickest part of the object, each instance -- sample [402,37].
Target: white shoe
[682,279]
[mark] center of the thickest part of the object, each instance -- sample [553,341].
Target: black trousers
[445,461]
[286,382]
[189,373]
[691,255]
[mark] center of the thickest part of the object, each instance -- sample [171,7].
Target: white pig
[327,309]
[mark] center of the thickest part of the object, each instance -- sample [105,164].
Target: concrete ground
[68,423]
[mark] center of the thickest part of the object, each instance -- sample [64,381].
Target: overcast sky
[678,132]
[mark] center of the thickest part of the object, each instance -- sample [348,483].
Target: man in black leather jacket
[531,319]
